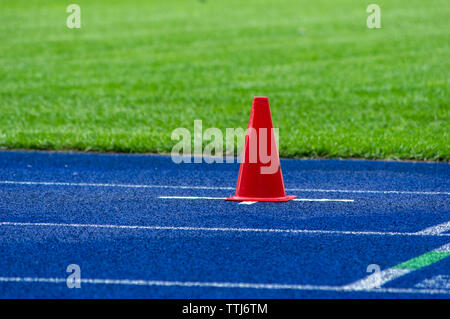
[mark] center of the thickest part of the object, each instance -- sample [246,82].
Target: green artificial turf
[138,69]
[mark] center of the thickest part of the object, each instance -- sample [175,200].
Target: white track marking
[438,229]
[376,280]
[189,197]
[221,229]
[246,203]
[113,185]
[437,282]
[322,200]
[219,188]
[252,202]
[365,191]
[197,284]
[443,249]
[380,278]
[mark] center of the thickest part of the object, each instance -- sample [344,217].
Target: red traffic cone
[260,178]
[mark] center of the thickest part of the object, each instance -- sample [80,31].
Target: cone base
[261,199]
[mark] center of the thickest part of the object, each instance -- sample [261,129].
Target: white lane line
[197,284]
[438,229]
[322,200]
[112,185]
[378,279]
[436,282]
[221,229]
[365,191]
[251,202]
[443,249]
[219,188]
[189,197]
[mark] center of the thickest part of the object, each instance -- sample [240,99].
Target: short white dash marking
[322,200]
[189,197]
[252,202]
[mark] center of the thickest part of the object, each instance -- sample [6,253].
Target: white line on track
[444,249]
[222,229]
[251,202]
[241,285]
[189,197]
[219,188]
[322,200]
[436,282]
[366,191]
[438,229]
[378,279]
[247,203]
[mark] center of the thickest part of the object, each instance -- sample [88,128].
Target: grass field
[136,70]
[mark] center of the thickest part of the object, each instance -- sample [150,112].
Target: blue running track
[141,226]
